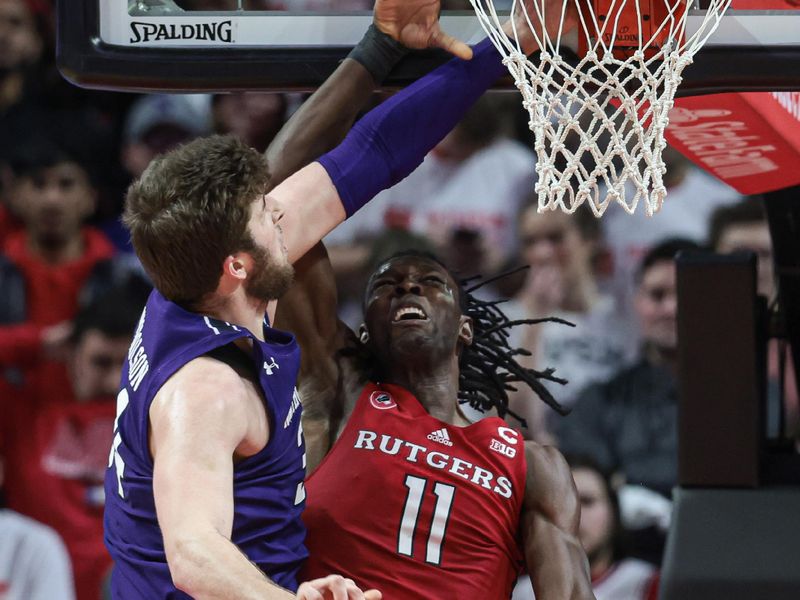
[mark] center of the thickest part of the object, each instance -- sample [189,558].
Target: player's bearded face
[271,276]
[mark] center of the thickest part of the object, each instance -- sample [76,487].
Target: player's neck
[238,309]
[435,386]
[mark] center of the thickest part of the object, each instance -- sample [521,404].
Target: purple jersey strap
[390,141]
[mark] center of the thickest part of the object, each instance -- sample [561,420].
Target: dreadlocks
[488,368]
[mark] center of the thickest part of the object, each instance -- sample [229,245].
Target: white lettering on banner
[725,148]
[213,31]
[138,366]
[790,101]
[441,461]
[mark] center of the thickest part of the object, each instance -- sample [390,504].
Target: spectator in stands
[692,196]
[614,576]
[629,423]
[34,564]
[9,219]
[253,117]
[153,124]
[560,250]
[743,227]
[21,48]
[46,267]
[157,123]
[57,447]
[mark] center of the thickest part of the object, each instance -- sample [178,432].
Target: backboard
[164,45]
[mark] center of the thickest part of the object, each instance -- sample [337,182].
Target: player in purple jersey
[204,488]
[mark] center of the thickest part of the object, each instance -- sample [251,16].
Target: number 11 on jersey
[441,515]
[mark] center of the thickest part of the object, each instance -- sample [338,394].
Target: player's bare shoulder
[549,480]
[209,391]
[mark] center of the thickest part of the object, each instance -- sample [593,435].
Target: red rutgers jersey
[416,507]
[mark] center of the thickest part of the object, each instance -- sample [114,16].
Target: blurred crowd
[71,292]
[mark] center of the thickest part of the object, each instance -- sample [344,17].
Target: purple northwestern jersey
[268,492]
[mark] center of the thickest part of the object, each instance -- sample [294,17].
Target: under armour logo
[269,368]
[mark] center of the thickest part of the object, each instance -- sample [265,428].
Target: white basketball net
[598,125]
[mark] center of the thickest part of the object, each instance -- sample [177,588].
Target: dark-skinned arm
[309,308]
[550,518]
[322,121]
[309,311]
[325,118]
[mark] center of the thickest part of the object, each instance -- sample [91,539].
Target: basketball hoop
[599,121]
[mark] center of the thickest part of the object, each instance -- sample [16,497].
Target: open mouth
[409,314]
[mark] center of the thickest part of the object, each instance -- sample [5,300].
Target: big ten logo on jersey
[382,400]
[506,447]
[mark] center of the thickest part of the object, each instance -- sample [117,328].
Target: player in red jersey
[412,498]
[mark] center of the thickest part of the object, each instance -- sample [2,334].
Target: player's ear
[363,334]
[236,265]
[466,331]
[234,271]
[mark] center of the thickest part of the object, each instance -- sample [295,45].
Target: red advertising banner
[751,141]
[765,4]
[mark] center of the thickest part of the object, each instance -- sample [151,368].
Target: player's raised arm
[324,119]
[384,147]
[550,518]
[313,207]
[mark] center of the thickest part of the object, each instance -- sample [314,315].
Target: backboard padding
[101,45]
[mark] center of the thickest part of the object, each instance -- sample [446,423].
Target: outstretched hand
[334,587]
[415,24]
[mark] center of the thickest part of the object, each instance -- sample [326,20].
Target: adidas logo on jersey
[441,436]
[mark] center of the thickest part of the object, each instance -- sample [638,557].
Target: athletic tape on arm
[392,140]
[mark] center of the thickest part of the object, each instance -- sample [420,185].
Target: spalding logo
[382,400]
